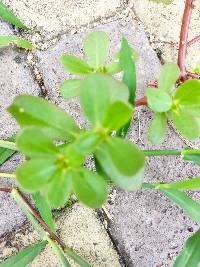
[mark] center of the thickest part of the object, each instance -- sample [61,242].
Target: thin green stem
[162,152]
[148,186]
[7,175]
[8,145]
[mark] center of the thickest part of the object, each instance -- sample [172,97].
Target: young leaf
[45,210]
[35,174]
[187,184]
[128,66]
[70,88]
[96,47]
[33,143]
[158,100]
[192,155]
[9,16]
[90,188]
[24,257]
[60,188]
[187,125]
[187,97]
[5,153]
[189,256]
[118,115]
[190,206]
[169,74]
[157,128]
[34,111]
[75,65]
[6,40]
[122,161]
[97,92]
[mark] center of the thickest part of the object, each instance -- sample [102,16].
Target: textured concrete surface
[163,24]
[78,232]
[54,17]
[15,79]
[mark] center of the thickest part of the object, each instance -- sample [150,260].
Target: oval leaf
[192,155]
[70,88]
[36,173]
[123,162]
[96,47]
[157,128]
[158,100]
[75,65]
[90,188]
[34,111]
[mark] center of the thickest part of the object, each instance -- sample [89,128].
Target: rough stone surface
[15,79]
[84,233]
[163,24]
[54,17]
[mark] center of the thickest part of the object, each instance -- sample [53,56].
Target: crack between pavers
[103,217]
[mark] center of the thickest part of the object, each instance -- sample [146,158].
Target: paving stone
[15,79]
[53,17]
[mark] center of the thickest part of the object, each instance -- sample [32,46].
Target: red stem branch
[193,41]
[184,38]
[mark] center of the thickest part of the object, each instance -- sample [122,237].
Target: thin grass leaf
[190,206]
[9,16]
[76,258]
[190,256]
[45,210]
[187,184]
[5,153]
[6,40]
[24,257]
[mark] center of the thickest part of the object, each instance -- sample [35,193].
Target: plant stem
[194,40]
[8,145]
[162,152]
[141,102]
[193,75]
[184,38]
[7,175]
[5,189]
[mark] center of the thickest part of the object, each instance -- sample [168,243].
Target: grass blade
[10,17]
[76,258]
[25,256]
[5,153]
[6,40]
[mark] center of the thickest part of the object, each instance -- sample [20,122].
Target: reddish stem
[184,38]
[5,189]
[193,41]
[193,75]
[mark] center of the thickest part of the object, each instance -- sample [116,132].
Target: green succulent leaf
[35,174]
[192,155]
[33,143]
[70,88]
[24,257]
[45,210]
[169,74]
[60,188]
[98,91]
[187,98]
[186,125]
[189,256]
[158,101]
[96,48]
[128,66]
[6,40]
[53,121]
[75,65]
[90,188]
[158,128]
[5,153]
[190,206]
[122,161]
[118,115]
[187,184]
[9,16]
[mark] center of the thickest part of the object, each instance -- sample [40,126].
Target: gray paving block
[15,79]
